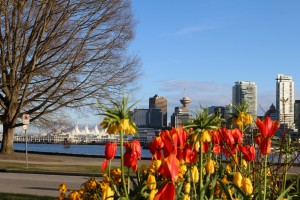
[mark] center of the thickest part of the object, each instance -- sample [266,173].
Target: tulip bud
[247,186]
[244,163]
[151,182]
[210,166]
[107,192]
[194,174]
[186,197]
[197,146]
[187,188]
[237,179]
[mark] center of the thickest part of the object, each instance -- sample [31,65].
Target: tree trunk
[7,146]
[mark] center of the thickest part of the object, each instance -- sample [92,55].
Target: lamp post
[26,141]
[25,126]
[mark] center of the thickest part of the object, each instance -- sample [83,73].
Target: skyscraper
[297,114]
[285,99]
[245,91]
[161,103]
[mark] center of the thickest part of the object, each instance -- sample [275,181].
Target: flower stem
[109,164]
[201,171]
[122,164]
[265,182]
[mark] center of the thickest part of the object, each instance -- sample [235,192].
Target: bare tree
[61,53]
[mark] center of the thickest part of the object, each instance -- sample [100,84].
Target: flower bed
[205,159]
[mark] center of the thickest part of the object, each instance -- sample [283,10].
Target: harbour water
[93,150]
[76,149]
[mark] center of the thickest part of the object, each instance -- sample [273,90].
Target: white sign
[26,118]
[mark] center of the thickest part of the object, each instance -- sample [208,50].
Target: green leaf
[225,188]
[286,191]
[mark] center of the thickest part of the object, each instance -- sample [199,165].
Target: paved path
[37,184]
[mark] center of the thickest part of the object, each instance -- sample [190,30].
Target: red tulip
[110,152]
[190,154]
[170,139]
[133,152]
[249,152]
[169,168]
[226,136]
[166,192]
[237,135]
[136,147]
[182,136]
[267,128]
[156,147]
[205,147]
[216,149]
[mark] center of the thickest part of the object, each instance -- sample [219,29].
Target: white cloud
[188,30]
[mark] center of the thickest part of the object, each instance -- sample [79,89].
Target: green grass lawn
[51,168]
[8,196]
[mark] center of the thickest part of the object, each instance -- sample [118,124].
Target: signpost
[25,126]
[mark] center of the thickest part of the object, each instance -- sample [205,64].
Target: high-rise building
[161,103]
[182,114]
[141,117]
[245,91]
[297,114]
[285,100]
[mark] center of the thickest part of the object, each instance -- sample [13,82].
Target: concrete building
[245,91]
[218,110]
[161,103]
[285,100]
[297,114]
[148,118]
[182,114]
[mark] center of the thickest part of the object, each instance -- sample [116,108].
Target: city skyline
[200,49]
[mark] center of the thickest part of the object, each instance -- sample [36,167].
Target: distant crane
[262,108]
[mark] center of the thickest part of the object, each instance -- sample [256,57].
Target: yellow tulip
[132,128]
[197,146]
[205,137]
[152,194]
[228,169]
[237,179]
[112,128]
[194,174]
[244,164]
[210,166]
[247,186]
[124,125]
[107,192]
[151,182]
[156,164]
[248,119]
[186,197]
[187,188]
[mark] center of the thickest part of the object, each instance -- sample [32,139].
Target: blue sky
[201,48]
